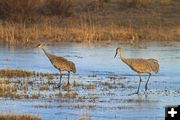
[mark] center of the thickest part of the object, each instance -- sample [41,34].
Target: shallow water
[95,62]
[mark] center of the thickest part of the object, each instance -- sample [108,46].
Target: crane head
[117,50]
[39,46]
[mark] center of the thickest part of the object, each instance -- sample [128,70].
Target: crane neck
[122,56]
[46,53]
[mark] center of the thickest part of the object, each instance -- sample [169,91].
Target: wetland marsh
[99,90]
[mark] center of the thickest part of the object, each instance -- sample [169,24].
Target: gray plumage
[60,63]
[140,65]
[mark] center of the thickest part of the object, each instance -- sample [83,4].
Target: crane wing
[143,65]
[59,62]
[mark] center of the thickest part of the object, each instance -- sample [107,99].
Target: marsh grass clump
[90,86]
[44,86]
[124,107]
[85,117]
[70,94]
[25,86]
[34,96]
[139,3]
[121,84]
[77,84]
[109,85]
[147,3]
[57,7]
[4,81]
[92,75]
[18,10]
[59,95]
[15,73]
[66,87]
[50,76]
[86,106]
[95,5]
[99,4]
[137,100]
[165,2]
[7,89]
[17,96]
[47,75]
[93,98]
[18,117]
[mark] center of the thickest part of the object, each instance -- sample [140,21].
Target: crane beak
[115,55]
[37,46]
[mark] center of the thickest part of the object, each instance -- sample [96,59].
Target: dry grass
[4,81]
[93,20]
[30,10]
[10,73]
[85,105]
[139,3]
[90,86]
[25,86]
[17,88]
[70,94]
[34,96]
[18,117]
[18,10]
[15,73]
[7,89]
[85,117]
[139,100]
[44,87]
[57,7]
[109,85]
[77,84]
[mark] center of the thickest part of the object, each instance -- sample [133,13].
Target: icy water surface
[112,82]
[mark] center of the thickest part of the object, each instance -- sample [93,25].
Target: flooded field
[101,88]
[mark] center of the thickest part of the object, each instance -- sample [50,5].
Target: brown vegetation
[7,89]
[90,20]
[18,10]
[15,73]
[44,87]
[18,117]
[85,117]
[90,86]
[57,7]
[70,94]
[9,73]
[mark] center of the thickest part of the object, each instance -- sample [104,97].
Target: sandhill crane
[140,65]
[60,63]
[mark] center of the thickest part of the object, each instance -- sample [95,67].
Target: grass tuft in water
[10,73]
[18,117]
[70,94]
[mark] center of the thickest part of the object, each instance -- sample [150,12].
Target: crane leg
[68,78]
[139,84]
[60,79]
[147,82]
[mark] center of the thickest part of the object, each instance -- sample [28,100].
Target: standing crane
[60,63]
[140,65]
